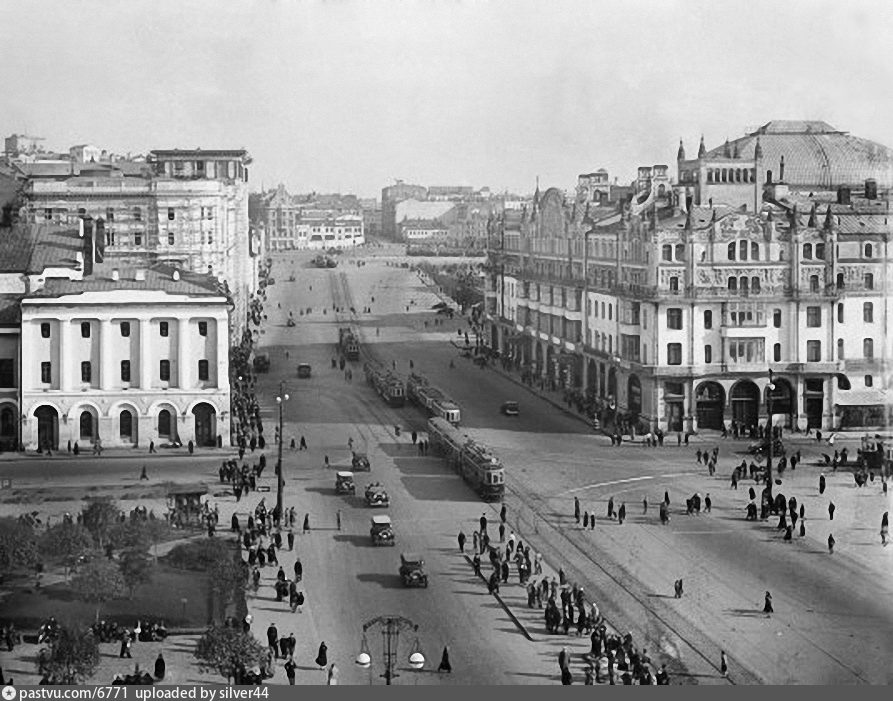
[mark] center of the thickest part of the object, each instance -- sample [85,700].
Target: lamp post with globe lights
[391,627]
[281,398]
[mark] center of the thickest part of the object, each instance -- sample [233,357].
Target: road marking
[625,481]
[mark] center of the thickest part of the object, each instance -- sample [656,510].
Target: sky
[350,95]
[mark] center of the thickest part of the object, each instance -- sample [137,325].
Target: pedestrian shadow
[386,581]
[746,613]
[358,541]
[531,675]
[663,596]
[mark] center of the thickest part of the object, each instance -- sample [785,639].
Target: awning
[868,396]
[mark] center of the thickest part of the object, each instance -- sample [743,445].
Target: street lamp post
[391,627]
[769,389]
[280,477]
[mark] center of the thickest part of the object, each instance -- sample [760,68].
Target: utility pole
[281,398]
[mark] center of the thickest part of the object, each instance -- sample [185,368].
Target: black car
[510,409]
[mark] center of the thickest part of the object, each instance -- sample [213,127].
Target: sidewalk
[141,453]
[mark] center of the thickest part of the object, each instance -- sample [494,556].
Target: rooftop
[158,277]
[10,310]
[32,248]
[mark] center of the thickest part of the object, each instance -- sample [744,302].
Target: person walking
[708,503]
[290,667]
[322,659]
[831,509]
[160,667]
[577,510]
[767,604]
[645,506]
[723,663]
[501,532]
[461,539]
[611,507]
[152,447]
[831,543]
[306,523]
[143,474]
[445,665]
[503,513]
[667,497]
[621,513]
[273,640]
[822,483]
[303,444]
[585,520]
[290,536]
[885,527]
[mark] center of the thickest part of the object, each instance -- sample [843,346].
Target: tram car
[348,343]
[414,384]
[386,382]
[432,399]
[477,466]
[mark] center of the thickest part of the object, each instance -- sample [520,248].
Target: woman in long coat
[322,659]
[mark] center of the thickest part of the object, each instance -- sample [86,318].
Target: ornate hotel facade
[770,252]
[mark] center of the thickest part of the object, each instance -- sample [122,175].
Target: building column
[64,352]
[800,420]
[827,408]
[184,373]
[106,369]
[686,407]
[145,362]
[222,377]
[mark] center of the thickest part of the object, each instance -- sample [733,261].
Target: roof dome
[815,154]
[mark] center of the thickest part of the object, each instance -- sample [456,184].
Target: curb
[505,606]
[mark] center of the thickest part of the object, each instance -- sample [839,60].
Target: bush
[67,542]
[72,658]
[18,545]
[199,555]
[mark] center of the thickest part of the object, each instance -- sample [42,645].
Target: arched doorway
[88,426]
[47,428]
[592,375]
[205,425]
[710,398]
[634,396]
[674,405]
[167,428]
[127,427]
[782,400]
[745,398]
[8,428]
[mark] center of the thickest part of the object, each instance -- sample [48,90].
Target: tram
[432,399]
[475,464]
[387,383]
[348,343]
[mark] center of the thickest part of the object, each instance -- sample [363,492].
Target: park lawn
[160,599]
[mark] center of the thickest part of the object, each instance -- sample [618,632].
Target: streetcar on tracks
[349,343]
[386,382]
[475,464]
[432,399]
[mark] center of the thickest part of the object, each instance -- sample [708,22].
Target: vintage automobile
[262,362]
[304,370]
[344,483]
[510,408]
[360,463]
[412,570]
[382,532]
[377,496]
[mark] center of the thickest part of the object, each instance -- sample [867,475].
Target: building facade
[316,222]
[670,311]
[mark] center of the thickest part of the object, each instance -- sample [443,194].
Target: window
[754,250]
[164,423]
[46,373]
[86,371]
[776,353]
[868,250]
[868,348]
[86,426]
[674,318]
[210,214]
[109,214]
[125,371]
[868,313]
[680,252]
[755,284]
[45,330]
[869,381]
[203,328]
[776,318]
[7,372]
[667,252]
[170,214]
[820,251]
[137,214]
[48,213]
[840,313]
[674,284]
[708,319]
[610,312]
[170,238]
[125,328]
[807,251]
[869,281]
[840,349]
[674,354]
[813,317]
[164,370]
[708,354]
[840,282]
[813,283]
[85,329]
[731,251]
[137,239]
[742,250]
[203,370]
[743,284]
[163,328]
[813,351]
[733,284]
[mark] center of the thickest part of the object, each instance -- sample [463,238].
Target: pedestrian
[667,497]
[621,513]
[645,506]
[585,519]
[152,447]
[483,522]
[708,503]
[143,474]
[723,664]
[322,659]
[290,667]
[822,483]
[567,679]
[332,678]
[291,539]
[752,493]
[461,539]
[126,642]
[306,523]
[577,510]
[303,445]
[802,528]
[445,665]
[563,658]
[292,444]
[160,667]
[611,507]
[885,527]
[503,512]
[767,604]
[831,509]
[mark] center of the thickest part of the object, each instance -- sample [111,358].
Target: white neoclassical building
[127,356]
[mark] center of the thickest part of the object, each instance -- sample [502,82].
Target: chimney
[843,195]
[871,189]
[175,275]
[116,275]
[139,275]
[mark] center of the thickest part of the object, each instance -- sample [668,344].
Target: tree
[72,657]
[98,581]
[135,568]
[66,541]
[228,651]
[99,517]
[139,534]
[18,546]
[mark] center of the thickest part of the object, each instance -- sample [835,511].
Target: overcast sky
[345,95]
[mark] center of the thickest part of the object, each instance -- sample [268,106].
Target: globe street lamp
[391,627]
[280,479]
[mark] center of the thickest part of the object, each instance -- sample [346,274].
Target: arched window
[776,353]
[754,249]
[125,424]
[674,284]
[164,423]
[710,175]
[840,349]
[840,312]
[667,251]
[708,319]
[807,251]
[840,282]
[755,284]
[7,423]
[86,425]
[820,251]
[680,251]
[733,284]
[813,283]
[737,175]
[731,251]
[776,318]
[868,250]
[742,250]
[743,284]
[746,175]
